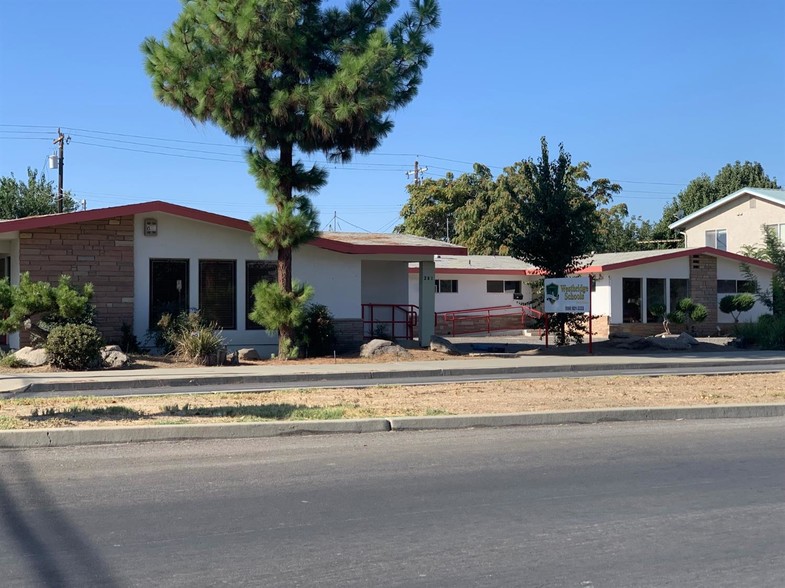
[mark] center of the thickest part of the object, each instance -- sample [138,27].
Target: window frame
[223,311]
[453,288]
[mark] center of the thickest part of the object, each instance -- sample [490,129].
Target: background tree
[705,190]
[19,199]
[291,78]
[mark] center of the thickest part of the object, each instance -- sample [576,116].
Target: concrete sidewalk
[280,373]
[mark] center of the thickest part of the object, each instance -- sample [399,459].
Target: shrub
[767,333]
[688,312]
[316,335]
[74,346]
[735,304]
[189,337]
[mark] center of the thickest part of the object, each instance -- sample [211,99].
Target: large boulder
[687,338]
[33,357]
[382,347]
[442,345]
[248,354]
[112,357]
[631,342]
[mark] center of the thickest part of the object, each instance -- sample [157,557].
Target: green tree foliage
[273,310]
[773,251]
[688,312]
[555,218]
[705,190]
[38,196]
[291,78]
[735,304]
[39,306]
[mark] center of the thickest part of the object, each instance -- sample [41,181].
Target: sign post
[568,295]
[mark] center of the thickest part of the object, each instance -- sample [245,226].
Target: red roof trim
[67,218]
[477,271]
[354,248]
[675,255]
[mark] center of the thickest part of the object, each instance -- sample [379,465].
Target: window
[218,292]
[655,297]
[717,239]
[631,293]
[735,286]
[446,286]
[679,288]
[255,272]
[168,288]
[503,286]
[779,231]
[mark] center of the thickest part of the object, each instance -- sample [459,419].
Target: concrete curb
[369,375]
[104,435]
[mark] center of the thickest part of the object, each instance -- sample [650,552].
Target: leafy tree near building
[555,217]
[37,196]
[291,78]
[705,190]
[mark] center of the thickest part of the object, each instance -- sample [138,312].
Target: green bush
[688,312]
[316,335]
[189,337]
[767,333]
[74,346]
[735,304]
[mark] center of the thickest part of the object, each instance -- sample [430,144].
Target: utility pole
[61,141]
[416,173]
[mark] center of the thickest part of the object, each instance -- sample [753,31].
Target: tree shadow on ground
[86,414]
[276,412]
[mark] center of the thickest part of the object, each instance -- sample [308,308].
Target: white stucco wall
[601,297]
[727,269]
[385,282]
[472,291]
[335,278]
[742,219]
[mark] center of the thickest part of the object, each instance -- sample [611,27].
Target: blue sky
[651,93]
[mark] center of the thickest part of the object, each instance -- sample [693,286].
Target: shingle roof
[767,194]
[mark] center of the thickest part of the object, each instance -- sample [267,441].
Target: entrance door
[168,288]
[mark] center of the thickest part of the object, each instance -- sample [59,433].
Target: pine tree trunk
[285,253]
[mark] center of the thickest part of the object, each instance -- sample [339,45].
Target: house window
[679,288]
[218,292]
[718,239]
[735,286]
[255,272]
[446,286]
[778,230]
[655,297]
[631,307]
[503,286]
[168,288]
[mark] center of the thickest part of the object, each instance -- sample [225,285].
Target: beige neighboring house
[735,221]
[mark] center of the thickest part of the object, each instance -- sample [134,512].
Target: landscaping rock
[442,345]
[33,357]
[672,343]
[633,343]
[377,347]
[248,354]
[113,358]
[687,338]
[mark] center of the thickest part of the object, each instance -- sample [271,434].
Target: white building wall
[671,268]
[336,279]
[385,282]
[472,291]
[727,269]
[742,219]
[601,297]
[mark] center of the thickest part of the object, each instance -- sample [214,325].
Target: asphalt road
[687,503]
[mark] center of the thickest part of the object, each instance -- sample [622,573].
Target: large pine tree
[291,78]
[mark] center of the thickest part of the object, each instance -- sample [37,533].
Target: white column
[427,288]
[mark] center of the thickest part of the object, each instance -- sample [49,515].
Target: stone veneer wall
[348,333]
[703,289]
[100,252]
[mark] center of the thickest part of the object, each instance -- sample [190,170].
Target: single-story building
[155,257]
[625,287]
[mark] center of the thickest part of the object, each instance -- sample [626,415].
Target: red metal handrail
[370,318]
[455,318]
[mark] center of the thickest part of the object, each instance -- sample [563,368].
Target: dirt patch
[387,401]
